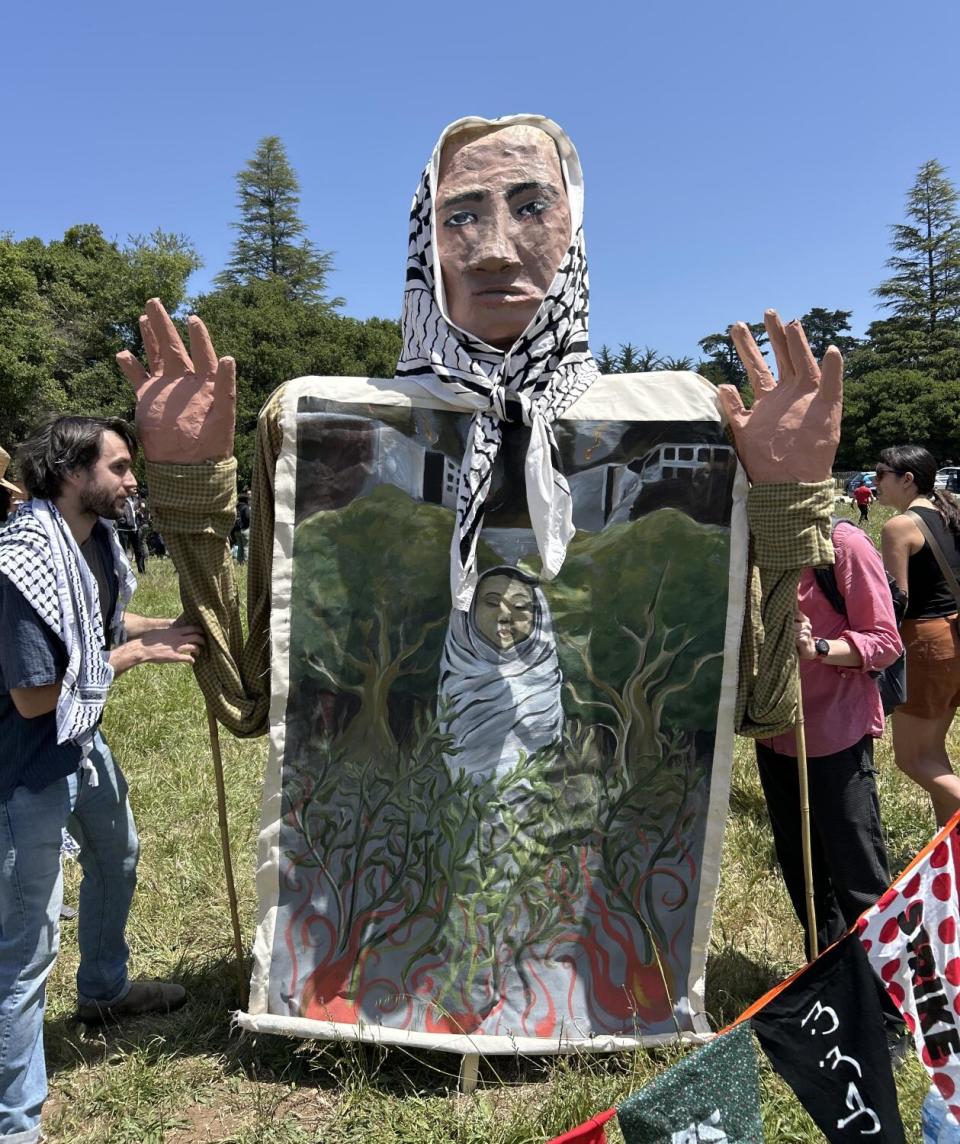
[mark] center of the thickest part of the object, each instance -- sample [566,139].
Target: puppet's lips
[498,294]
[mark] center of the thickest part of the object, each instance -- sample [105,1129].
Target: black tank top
[927,591]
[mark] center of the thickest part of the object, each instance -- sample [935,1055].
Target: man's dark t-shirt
[32,656]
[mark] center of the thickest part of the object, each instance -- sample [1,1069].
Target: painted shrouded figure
[500,676]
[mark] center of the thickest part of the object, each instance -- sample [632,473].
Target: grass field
[190,1077]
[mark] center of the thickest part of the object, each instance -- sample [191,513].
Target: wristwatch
[823,648]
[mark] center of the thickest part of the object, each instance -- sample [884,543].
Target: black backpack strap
[826,578]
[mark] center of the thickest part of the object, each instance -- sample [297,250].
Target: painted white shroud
[499,703]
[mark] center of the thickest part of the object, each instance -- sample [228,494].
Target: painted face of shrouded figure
[504,611]
[502,227]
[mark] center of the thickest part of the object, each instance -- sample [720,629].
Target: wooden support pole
[227,861]
[469,1069]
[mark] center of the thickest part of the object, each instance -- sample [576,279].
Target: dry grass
[188,1077]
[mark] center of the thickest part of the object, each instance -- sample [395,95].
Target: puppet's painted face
[504,611]
[502,227]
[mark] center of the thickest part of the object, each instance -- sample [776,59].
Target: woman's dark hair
[921,464]
[60,445]
[6,500]
[511,573]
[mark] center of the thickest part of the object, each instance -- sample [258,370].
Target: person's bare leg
[919,747]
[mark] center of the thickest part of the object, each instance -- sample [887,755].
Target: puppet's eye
[534,208]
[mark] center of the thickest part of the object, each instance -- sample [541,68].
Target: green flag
[711,1095]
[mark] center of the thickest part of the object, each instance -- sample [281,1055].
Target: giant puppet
[495,616]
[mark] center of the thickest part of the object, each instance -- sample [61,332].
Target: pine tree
[924,292]
[647,360]
[607,362]
[271,242]
[825,328]
[633,360]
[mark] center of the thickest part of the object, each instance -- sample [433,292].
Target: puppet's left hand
[186,403]
[792,430]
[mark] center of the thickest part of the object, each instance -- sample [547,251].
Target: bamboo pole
[227,862]
[805,819]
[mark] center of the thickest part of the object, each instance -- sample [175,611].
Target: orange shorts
[933,667]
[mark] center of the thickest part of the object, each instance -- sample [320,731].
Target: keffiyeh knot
[508,405]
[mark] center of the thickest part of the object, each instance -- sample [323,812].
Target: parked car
[858,479]
[948,478]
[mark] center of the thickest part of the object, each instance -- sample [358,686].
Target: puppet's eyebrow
[522,188]
[466,197]
[511,193]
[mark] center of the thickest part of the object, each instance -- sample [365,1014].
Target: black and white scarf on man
[41,558]
[536,381]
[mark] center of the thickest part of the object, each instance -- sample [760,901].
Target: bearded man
[495,326]
[64,587]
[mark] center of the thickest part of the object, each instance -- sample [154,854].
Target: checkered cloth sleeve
[195,507]
[789,531]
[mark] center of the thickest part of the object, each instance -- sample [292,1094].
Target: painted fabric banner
[497,830]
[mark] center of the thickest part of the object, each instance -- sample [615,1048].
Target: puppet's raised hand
[792,431]
[186,403]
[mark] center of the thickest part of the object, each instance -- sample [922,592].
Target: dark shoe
[142,997]
[900,1044]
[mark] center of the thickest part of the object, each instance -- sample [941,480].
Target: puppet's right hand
[792,431]
[186,403]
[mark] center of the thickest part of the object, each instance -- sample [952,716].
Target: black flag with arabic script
[823,1032]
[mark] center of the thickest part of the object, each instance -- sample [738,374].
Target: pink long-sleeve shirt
[842,704]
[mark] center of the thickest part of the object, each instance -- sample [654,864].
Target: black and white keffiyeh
[535,381]
[41,559]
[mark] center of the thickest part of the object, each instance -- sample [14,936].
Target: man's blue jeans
[31,892]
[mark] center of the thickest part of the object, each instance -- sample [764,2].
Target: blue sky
[736,155]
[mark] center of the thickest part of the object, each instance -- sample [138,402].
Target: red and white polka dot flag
[912,939]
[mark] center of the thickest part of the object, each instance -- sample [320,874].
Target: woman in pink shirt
[842,714]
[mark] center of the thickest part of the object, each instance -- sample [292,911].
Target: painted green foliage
[371,597]
[637,650]
[640,623]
